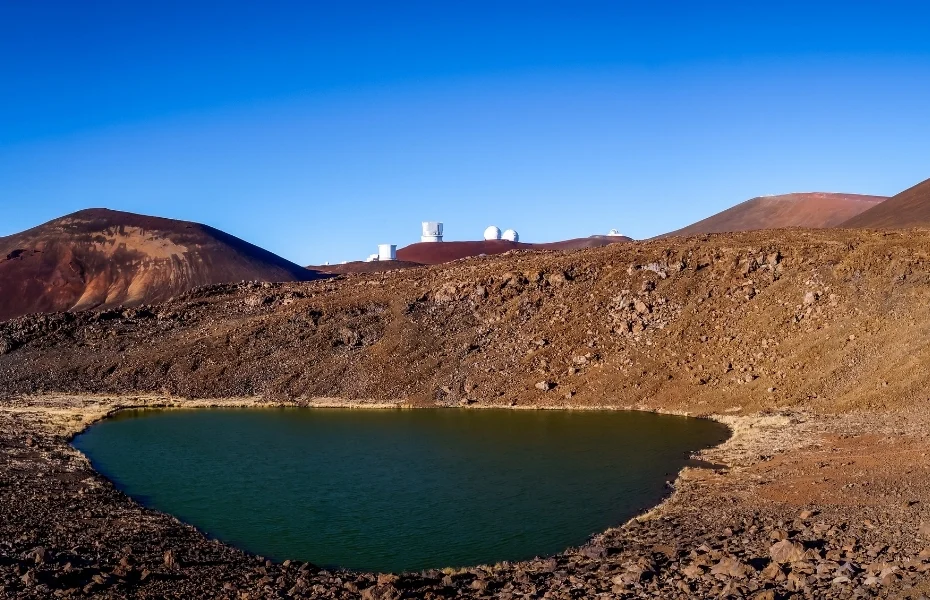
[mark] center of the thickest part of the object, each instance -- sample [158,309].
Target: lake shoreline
[717,515]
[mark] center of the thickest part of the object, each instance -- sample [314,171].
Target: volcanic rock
[786,551]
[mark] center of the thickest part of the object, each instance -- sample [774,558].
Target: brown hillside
[358,266]
[433,253]
[100,258]
[826,319]
[814,210]
[910,208]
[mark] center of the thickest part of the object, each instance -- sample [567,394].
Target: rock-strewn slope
[829,320]
[99,258]
[811,209]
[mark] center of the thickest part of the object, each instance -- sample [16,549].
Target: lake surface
[393,490]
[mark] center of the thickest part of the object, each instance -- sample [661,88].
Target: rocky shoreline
[746,522]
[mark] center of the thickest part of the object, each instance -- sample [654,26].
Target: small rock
[545,386]
[778,534]
[170,560]
[29,579]
[692,571]
[731,567]
[557,279]
[786,551]
[380,592]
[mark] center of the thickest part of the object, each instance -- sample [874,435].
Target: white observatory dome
[492,233]
[432,231]
[511,235]
[614,233]
[387,251]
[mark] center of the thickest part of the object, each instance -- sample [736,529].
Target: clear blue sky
[320,129]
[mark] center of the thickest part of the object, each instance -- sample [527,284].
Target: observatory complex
[432,233]
[494,233]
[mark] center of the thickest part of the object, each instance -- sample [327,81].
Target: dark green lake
[393,490]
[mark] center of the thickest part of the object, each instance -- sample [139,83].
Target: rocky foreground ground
[792,506]
[811,346]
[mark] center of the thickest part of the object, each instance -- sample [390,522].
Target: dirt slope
[813,210]
[358,266]
[431,253]
[826,320]
[101,258]
[910,208]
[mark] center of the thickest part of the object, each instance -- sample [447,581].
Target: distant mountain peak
[814,210]
[910,208]
[98,257]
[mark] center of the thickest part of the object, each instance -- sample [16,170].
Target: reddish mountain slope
[432,253]
[910,208]
[814,210]
[99,258]
[358,266]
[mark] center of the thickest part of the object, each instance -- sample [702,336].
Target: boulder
[786,551]
[730,567]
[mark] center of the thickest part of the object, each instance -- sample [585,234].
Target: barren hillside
[358,266]
[910,208]
[430,253]
[822,319]
[813,210]
[99,258]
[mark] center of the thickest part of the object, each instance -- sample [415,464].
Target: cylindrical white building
[492,233]
[511,235]
[614,233]
[387,251]
[432,231]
